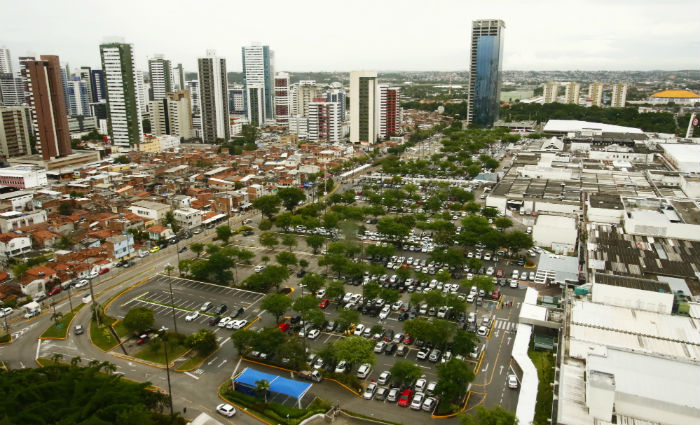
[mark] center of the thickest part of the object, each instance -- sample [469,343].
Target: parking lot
[188,296]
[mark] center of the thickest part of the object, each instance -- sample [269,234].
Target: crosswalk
[503,324]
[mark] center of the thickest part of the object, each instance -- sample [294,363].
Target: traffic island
[153,351]
[270,412]
[102,337]
[59,329]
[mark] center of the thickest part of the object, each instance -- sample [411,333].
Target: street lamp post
[169,268]
[92,298]
[164,331]
[70,302]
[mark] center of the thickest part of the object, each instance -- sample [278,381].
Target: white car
[321,293]
[359,329]
[429,404]
[224,321]
[5,311]
[482,331]
[417,402]
[513,382]
[369,391]
[514,283]
[379,347]
[397,305]
[82,283]
[384,378]
[471,298]
[313,334]
[515,274]
[385,312]
[239,324]
[364,370]
[420,385]
[341,367]
[190,317]
[226,410]
[258,269]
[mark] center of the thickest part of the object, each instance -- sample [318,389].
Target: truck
[310,375]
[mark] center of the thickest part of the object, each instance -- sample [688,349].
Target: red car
[55,290]
[103,271]
[324,303]
[284,326]
[408,339]
[496,294]
[143,339]
[499,273]
[405,398]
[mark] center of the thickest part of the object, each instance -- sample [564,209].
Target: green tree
[517,241]
[346,317]
[265,224]
[405,373]
[472,207]
[370,290]
[286,259]
[197,248]
[289,240]
[249,133]
[64,243]
[464,342]
[268,240]
[304,303]
[203,342]
[122,159]
[138,319]
[303,263]
[315,242]
[243,340]
[291,197]
[313,282]
[453,378]
[354,350]
[268,205]
[503,222]
[276,305]
[223,233]
[489,212]
[497,415]
[336,289]
[262,387]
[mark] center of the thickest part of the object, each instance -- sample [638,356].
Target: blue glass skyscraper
[485,72]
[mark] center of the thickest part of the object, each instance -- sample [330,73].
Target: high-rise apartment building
[299,125]
[78,96]
[14,131]
[11,89]
[121,82]
[306,92]
[179,77]
[160,72]
[550,91]
[5,61]
[337,95]
[236,99]
[48,102]
[85,74]
[390,113]
[324,121]
[619,95]
[97,80]
[364,107]
[485,72]
[258,71]
[595,93]
[282,98]
[172,115]
[572,93]
[213,98]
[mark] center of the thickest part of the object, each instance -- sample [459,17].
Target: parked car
[324,303]
[155,249]
[226,410]
[220,309]
[384,378]
[364,370]
[417,402]
[381,393]
[82,283]
[393,395]
[206,306]
[405,398]
[258,269]
[369,391]
[55,290]
[341,367]
[429,404]
[190,317]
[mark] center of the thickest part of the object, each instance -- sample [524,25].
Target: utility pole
[92,298]
[169,268]
[164,331]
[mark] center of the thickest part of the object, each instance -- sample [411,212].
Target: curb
[134,359]
[244,410]
[7,342]
[198,364]
[294,371]
[70,324]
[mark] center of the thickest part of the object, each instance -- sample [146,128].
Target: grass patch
[273,412]
[60,329]
[192,362]
[347,379]
[5,338]
[153,350]
[544,362]
[102,337]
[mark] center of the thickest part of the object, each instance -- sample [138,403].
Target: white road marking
[485,367]
[223,363]
[38,347]
[212,360]
[192,376]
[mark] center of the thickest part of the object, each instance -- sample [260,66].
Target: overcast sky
[318,35]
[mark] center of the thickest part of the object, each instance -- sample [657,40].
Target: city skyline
[650,37]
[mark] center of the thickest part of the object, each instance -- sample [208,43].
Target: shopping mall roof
[676,94]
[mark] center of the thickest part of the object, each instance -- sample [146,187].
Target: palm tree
[56,357]
[56,317]
[75,360]
[261,387]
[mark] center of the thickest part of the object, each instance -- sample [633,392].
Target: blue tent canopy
[278,384]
